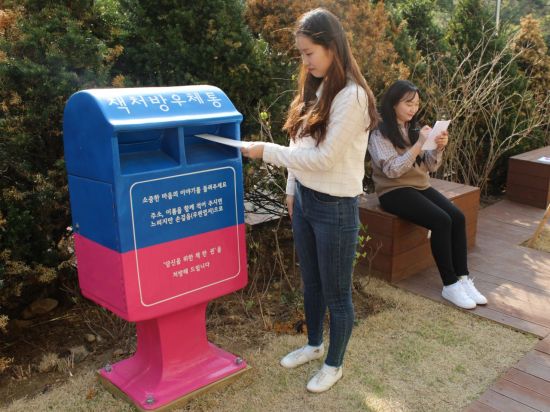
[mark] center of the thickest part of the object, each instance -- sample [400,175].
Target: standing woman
[400,173]
[328,123]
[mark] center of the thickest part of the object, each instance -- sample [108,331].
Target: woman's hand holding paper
[423,135]
[253,151]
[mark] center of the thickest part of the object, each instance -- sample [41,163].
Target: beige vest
[416,177]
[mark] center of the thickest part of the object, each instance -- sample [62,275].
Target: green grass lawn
[415,355]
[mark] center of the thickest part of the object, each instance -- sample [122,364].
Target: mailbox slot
[148,150]
[198,150]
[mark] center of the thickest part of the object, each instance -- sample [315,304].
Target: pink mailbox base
[172,360]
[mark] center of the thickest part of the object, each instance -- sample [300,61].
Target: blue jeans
[325,234]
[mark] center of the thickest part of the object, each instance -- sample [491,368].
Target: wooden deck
[516,281]
[524,387]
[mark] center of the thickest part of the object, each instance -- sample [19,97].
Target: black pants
[430,209]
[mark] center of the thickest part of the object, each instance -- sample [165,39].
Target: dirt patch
[48,350]
[488,200]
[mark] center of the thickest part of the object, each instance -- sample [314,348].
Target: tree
[366,24]
[471,26]
[491,116]
[205,41]
[513,10]
[48,50]
[485,61]
[421,25]
[533,59]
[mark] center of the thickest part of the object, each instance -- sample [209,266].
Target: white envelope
[223,140]
[439,126]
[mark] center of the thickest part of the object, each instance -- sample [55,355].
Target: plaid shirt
[393,164]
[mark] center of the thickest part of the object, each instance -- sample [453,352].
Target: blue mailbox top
[139,176]
[106,126]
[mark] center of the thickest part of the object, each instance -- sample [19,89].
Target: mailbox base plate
[178,403]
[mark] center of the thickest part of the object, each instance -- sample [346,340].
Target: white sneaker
[456,294]
[303,355]
[471,291]
[324,379]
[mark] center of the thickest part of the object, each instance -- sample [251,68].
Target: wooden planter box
[528,179]
[404,246]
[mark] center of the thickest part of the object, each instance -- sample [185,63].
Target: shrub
[205,41]
[48,50]
[533,59]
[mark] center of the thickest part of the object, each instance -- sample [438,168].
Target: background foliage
[48,50]
[51,49]
[167,44]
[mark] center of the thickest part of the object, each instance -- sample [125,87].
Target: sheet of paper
[223,140]
[544,159]
[439,126]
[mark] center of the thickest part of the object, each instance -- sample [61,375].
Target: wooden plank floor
[524,387]
[516,281]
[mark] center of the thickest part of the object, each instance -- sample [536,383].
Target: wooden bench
[403,247]
[528,180]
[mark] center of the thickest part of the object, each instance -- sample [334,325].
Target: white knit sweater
[336,166]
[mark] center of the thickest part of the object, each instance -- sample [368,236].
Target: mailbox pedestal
[170,361]
[159,228]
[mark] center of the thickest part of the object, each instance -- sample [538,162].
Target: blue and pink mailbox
[159,227]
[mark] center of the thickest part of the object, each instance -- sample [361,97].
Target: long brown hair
[307,115]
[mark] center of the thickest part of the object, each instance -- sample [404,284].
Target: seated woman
[400,174]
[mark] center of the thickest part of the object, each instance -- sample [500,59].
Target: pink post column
[173,359]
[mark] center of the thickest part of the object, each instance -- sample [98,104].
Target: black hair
[389,126]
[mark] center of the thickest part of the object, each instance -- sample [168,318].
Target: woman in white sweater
[328,123]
